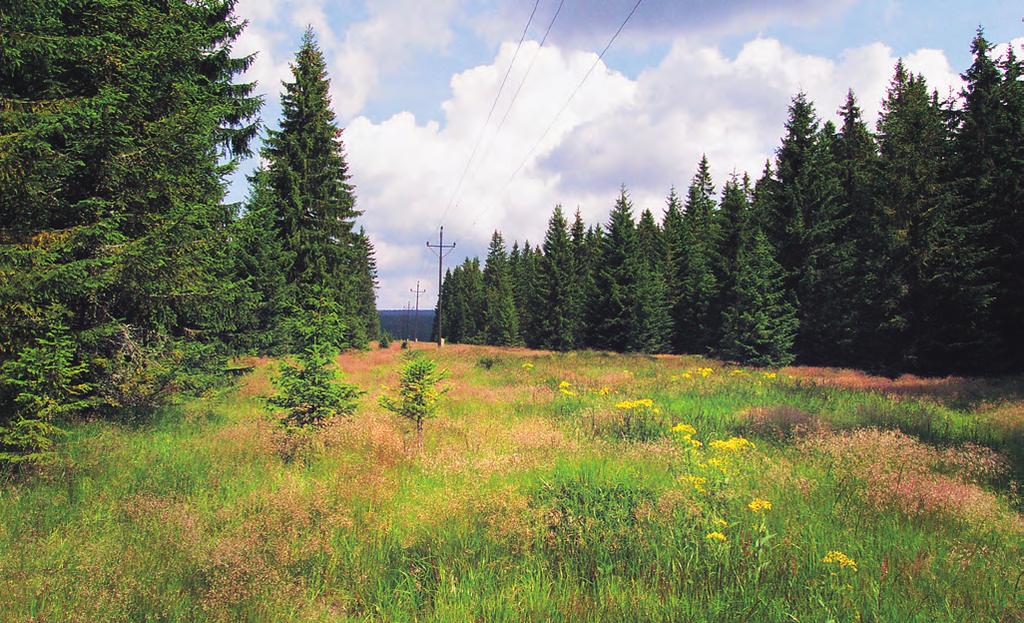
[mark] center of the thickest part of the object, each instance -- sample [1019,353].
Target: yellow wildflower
[718,463]
[715,536]
[687,375]
[567,392]
[684,429]
[605,391]
[733,444]
[758,505]
[527,366]
[698,482]
[841,559]
[705,372]
[564,385]
[770,375]
[721,522]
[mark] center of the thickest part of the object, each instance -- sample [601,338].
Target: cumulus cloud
[647,133]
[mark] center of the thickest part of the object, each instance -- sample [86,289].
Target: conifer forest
[790,394]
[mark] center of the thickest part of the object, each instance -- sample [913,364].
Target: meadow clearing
[575,487]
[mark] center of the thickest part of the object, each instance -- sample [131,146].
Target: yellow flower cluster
[698,482]
[684,429]
[841,559]
[629,405]
[733,444]
[715,536]
[705,372]
[758,505]
[770,375]
[605,391]
[686,433]
[527,366]
[566,389]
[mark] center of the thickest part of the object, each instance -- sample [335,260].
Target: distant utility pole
[442,250]
[405,322]
[416,315]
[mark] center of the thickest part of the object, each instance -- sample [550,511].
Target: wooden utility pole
[416,314]
[442,250]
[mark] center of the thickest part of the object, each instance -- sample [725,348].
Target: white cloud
[647,133]
[391,34]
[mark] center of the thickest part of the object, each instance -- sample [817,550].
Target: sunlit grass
[534,499]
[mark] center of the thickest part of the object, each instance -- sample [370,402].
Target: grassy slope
[524,504]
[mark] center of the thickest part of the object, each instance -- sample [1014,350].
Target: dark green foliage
[560,287]
[464,303]
[313,200]
[873,286]
[760,323]
[692,250]
[501,322]
[309,389]
[43,386]
[615,278]
[116,139]
[384,342]
[262,262]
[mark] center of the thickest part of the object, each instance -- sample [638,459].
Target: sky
[433,138]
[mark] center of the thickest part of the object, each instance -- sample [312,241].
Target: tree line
[898,249]
[124,275]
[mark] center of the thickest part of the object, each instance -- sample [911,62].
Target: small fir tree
[418,397]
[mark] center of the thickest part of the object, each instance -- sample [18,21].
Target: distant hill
[402,325]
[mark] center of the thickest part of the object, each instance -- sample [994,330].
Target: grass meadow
[552,487]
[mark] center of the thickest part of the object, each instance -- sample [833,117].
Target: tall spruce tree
[501,323]
[613,306]
[116,139]
[872,290]
[315,201]
[760,324]
[693,254]
[559,314]
[1007,220]
[912,144]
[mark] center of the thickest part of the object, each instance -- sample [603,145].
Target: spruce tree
[872,290]
[501,324]
[614,305]
[315,201]
[693,254]
[112,169]
[559,313]
[759,326]
[261,264]
[912,144]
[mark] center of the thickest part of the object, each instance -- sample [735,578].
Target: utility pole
[442,250]
[405,322]
[416,315]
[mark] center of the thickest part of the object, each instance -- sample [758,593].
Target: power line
[572,95]
[526,75]
[561,110]
[483,128]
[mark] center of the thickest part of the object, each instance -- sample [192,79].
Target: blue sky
[412,82]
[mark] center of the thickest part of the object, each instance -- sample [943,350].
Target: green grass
[527,503]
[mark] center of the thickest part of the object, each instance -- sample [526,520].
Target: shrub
[37,389]
[405,344]
[418,395]
[488,362]
[385,340]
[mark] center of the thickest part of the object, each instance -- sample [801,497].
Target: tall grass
[523,506]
